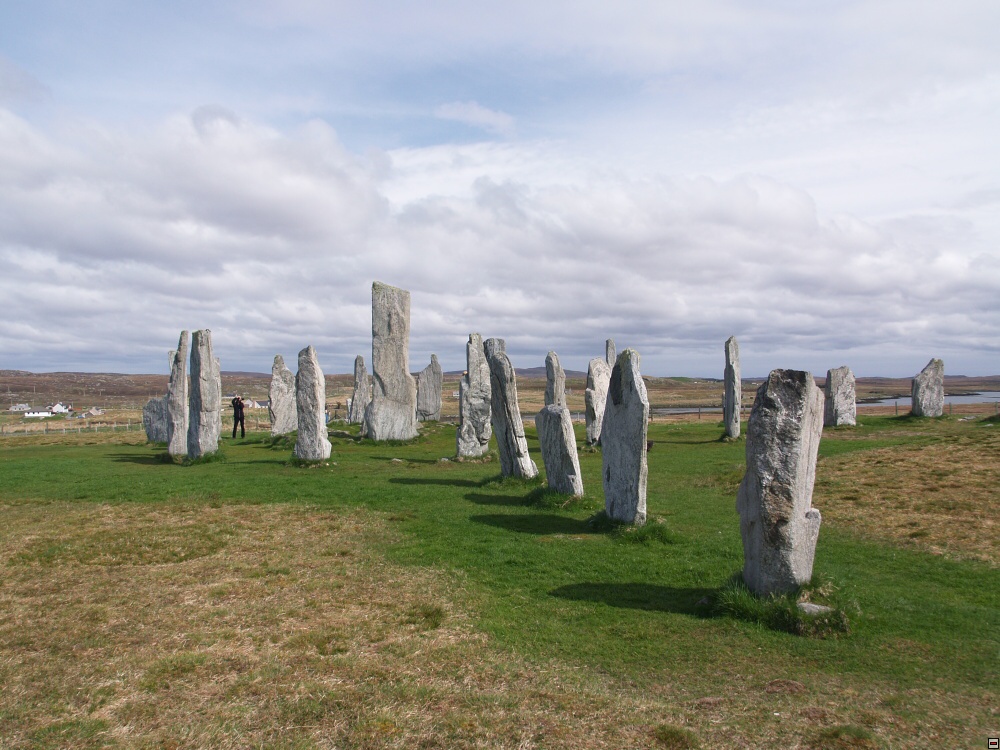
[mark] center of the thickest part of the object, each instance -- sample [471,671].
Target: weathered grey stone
[205,399]
[558,443]
[610,354]
[555,381]
[392,413]
[595,398]
[362,395]
[840,407]
[429,392]
[733,397]
[506,415]
[281,393]
[927,392]
[778,525]
[623,442]
[154,419]
[474,395]
[311,443]
[177,399]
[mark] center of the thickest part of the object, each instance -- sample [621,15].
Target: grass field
[394,599]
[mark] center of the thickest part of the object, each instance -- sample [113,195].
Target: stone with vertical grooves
[474,395]
[623,442]
[733,396]
[927,391]
[177,399]
[362,395]
[429,392]
[840,405]
[595,398]
[555,381]
[506,415]
[777,523]
[558,443]
[154,419]
[392,413]
[281,395]
[205,397]
[610,354]
[311,443]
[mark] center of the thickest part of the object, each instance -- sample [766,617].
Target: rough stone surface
[558,443]
[840,407]
[555,381]
[610,354]
[927,393]
[154,419]
[205,398]
[506,415]
[392,413]
[362,395]
[623,442]
[177,399]
[733,396]
[778,525]
[474,396]
[595,397]
[311,443]
[281,394]
[429,392]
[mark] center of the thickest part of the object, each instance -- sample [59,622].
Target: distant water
[983,397]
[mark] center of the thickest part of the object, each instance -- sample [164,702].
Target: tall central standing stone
[177,399]
[506,415]
[610,354]
[623,442]
[362,395]
[392,413]
[555,381]
[281,393]
[732,400]
[778,525]
[558,444]
[595,398]
[205,412]
[474,396]
[927,392]
[429,392]
[840,405]
[311,443]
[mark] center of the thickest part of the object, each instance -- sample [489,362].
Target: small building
[20,407]
[61,408]
[37,414]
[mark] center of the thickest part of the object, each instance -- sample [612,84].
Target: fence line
[45,428]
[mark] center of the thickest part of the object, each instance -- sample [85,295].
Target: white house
[61,408]
[20,407]
[37,414]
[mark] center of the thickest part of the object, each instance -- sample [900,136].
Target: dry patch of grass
[941,497]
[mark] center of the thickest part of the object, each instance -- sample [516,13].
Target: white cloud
[473,113]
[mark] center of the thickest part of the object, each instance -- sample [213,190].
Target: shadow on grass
[480,499]
[406,460]
[646,596]
[445,482]
[145,459]
[536,523]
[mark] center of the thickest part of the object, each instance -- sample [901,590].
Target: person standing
[237,403]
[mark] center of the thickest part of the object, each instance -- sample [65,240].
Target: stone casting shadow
[445,482]
[480,499]
[645,596]
[535,523]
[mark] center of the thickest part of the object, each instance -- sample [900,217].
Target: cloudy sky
[822,183]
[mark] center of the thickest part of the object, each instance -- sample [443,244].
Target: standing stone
[558,442]
[281,393]
[154,419]
[474,395]
[177,399]
[623,442]
[392,413]
[733,398]
[840,407]
[610,354]
[595,398]
[927,393]
[778,526]
[205,409]
[362,395]
[311,443]
[555,381]
[429,392]
[506,415]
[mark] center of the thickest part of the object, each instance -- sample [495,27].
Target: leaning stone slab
[558,443]
[610,353]
[392,413]
[154,419]
[506,415]
[362,395]
[927,392]
[733,396]
[281,394]
[429,392]
[623,442]
[311,443]
[778,525]
[840,406]
[555,381]
[595,398]
[205,405]
[474,396]
[177,399]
